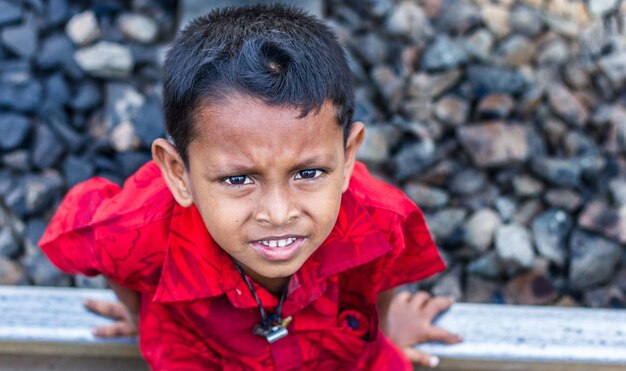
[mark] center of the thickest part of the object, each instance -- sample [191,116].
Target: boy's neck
[274,285]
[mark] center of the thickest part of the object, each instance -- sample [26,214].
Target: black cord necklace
[272,327]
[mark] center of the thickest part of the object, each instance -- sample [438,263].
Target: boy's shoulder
[374,193]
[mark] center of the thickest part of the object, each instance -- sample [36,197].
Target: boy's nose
[277,207]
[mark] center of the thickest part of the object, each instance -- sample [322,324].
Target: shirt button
[238,292]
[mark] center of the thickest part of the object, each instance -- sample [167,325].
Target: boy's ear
[173,170]
[355,138]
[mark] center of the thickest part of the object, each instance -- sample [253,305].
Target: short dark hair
[276,53]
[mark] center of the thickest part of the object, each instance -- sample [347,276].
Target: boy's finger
[436,305]
[105,308]
[420,298]
[421,358]
[439,334]
[402,296]
[118,329]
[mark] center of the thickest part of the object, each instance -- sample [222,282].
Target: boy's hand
[126,324]
[409,321]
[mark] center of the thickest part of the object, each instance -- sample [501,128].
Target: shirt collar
[196,267]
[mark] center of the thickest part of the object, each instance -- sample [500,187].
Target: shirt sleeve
[100,228]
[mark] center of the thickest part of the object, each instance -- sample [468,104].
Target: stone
[130,161]
[467,182]
[9,13]
[123,137]
[496,18]
[550,231]
[559,172]
[56,52]
[444,54]
[480,290]
[576,76]
[527,211]
[58,122]
[480,44]
[57,90]
[413,158]
[425,196]
[600,8]
[593,260]
[149,122]
[9,244]
[83,28]
[613,66]
[21,40]
[41,190]
[617,187]
[495,106]
[563,199]
[389,83]
[87,96]
[449,284]
[123,103]
[47,148]
[20,91]
[17,160]
[487,265]
[58,11]
[577,143]
[554,52]
[514,245]
[565,105]
[97,282]
[14,128]
[481,199]
[452,110]
[506,208]
[106,60]
[605,297]
[372,48]
[516,51]
[433,85]
[565,27]
[376,145]
[446,226]
[530,288]
[494,144]
[525,185]
[138,27]
[12,273]
[77,169]
[486,80]
[457,17]
[599,217]
[480,229]
[526,20]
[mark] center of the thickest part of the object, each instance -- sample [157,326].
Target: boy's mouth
[279,248]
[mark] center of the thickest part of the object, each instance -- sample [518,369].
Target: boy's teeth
[279,243]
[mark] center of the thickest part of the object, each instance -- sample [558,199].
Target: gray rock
[20,91]
[434,84]
[47,148]
[613,67]
[527,211]
[138,27]
[567,106]
[599,217]
[17,160]
[480,229]
[14,129]
[563,199]
[480,290]
[593,260]
[9,13]
[372,48]
[530,288]
[56,52]
[97,282]
[480,44]
[446,226]
[129,161]
[59,124]
[413,158]
[57,91]
[375,146]
[38,268]
[516,51]
[425,196]
[600,8]
[452,110]
[21,39]
[605,297]
[526,20]
[468,181]
[77,169]
[485,80]
[9,245]
[407,19]
[554,52]
[481,199]
[58,11]
[40,190]
[495,106]
[496,17]
[88,95]
[494,143]
[12,273]
[149,123]
[577,143]
[83,28]
[550,232]
[487,265]
[525,185]
[577,76]
[457,17]
[105,59]
[123,103]
[559,172]
[514,245]
[617,188]
[449,284]
[506,208]
[444,53]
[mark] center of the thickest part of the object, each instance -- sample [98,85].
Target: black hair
[276,53]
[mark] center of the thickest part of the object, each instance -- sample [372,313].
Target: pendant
[275,332]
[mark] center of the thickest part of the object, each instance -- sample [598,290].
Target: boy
[253,240]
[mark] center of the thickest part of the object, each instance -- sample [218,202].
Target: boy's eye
[238,180]
[308,174]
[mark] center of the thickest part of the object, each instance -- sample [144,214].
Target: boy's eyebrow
[241,168]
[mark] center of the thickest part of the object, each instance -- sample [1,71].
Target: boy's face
[267,183]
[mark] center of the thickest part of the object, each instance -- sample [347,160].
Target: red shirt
[196,310]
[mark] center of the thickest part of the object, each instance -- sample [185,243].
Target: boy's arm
[406,319]
[125,311]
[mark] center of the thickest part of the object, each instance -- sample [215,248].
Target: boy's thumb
[421,358]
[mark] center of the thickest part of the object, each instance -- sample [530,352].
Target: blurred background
[504,120]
